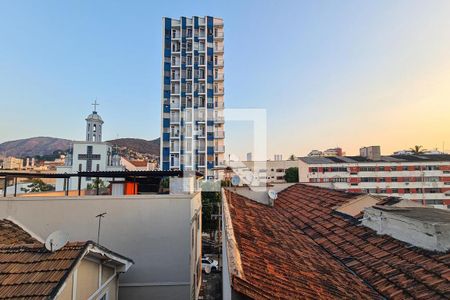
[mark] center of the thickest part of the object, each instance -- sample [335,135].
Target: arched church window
[95,128]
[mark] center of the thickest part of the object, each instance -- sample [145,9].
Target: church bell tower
[94,126]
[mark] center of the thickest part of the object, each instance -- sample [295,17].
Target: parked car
[209,265]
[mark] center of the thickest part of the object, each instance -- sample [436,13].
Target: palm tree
[417,149]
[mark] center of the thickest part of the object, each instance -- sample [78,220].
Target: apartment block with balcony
[192,122]
[424,178]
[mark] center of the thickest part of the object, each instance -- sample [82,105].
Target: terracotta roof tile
[302,248]
[27,269]
[394,268]
[11,233]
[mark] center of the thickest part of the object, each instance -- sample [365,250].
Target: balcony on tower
[219,89]
[176,46]
[219,134]
[219,119]
[175,74]
[218,61]
[175,103]
[176,33]
[218,76]
[175,88]
[218,33]
[219,148]
[174,117]
[218,47]
[174,146]
[174,131]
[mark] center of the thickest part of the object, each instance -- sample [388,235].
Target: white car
[209,265]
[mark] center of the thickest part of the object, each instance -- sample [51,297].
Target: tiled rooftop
[33,272]
[281,262]
[302,248]
[27,269]
[11,233]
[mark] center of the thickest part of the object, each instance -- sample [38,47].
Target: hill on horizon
[40,146]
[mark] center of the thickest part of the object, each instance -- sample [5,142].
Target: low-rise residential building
[12,163]
[317,243]
[79,270]
[271,171]
[422,177]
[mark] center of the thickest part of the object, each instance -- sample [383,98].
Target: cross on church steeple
[95,104]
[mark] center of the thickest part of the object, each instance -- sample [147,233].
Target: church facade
[89,155]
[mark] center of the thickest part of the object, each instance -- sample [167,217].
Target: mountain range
[42,146]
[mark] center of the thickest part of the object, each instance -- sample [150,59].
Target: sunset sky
[328,73]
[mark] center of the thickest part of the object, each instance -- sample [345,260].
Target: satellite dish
[56,240]
[235,180]
[272,194]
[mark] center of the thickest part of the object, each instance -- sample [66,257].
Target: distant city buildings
[329,152]
[12,163]
[263,172]
[422,178]
[409,152]
[278,157]
[192,128]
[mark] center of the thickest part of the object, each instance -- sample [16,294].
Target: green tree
[97,183]
[292,157]
[291,174]
[417,149]
[37,186]
[210,209]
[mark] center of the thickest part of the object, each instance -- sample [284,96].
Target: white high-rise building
[192,121]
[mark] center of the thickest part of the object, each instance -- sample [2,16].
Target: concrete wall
[153,230]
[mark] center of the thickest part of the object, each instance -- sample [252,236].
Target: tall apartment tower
[192,125]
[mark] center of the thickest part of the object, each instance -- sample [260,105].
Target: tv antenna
[56,240]
[99,216]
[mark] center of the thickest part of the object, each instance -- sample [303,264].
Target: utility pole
[99,216]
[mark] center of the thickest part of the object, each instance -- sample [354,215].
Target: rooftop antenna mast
[99,216]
